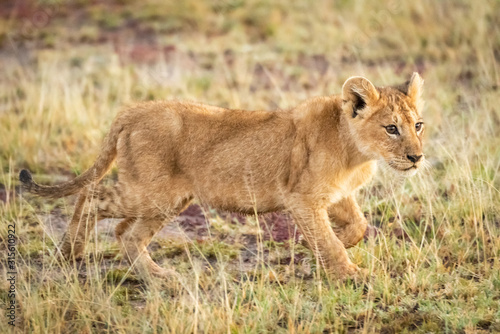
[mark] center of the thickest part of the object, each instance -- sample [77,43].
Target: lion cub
[307,161]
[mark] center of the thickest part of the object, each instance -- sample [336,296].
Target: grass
[433,266]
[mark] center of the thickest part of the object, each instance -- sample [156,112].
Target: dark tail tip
[25,177]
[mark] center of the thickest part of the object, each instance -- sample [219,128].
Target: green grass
[434,265]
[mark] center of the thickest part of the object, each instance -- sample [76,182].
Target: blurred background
[66,68]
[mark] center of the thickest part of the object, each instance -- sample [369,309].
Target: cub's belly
[245,198]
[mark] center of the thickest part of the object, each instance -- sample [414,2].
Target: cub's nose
[414,158]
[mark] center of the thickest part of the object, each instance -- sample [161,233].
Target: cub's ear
[357,93]
[415,87]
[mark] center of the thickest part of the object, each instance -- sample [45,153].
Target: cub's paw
[357,275]
[150,270]
[70,251]
[163,273]
[350,271]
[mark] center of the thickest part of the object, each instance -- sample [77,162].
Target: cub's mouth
[403,170]
[410,168]
[407,171]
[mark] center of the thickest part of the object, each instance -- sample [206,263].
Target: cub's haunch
[307,161]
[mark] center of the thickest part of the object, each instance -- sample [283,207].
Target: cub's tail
[93,174]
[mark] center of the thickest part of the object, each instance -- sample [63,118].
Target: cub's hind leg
[82,222]
[92,205]
[348,220]
[134,235]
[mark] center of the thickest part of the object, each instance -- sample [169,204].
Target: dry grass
[434,266]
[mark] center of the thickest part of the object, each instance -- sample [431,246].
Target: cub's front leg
[329,251]
[348,221]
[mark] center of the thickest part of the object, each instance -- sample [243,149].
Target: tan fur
[307,161]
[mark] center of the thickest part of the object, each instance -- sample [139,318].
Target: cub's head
[386,122]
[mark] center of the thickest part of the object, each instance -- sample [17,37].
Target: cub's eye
[418,126]
[392,130]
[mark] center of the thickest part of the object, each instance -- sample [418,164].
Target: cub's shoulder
[317,107]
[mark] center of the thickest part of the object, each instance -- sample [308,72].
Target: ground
[432,254]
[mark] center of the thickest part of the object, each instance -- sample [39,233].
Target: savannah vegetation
[432,254]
